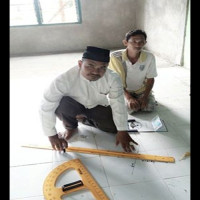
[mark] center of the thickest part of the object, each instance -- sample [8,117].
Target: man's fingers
[59,146]
[117,142]
[134,106]
[124,147]
[128,149]
[132,147]
[64,144]
[134,142]
[53,146]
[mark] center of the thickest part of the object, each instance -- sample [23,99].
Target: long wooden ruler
[112,153]
[87,182]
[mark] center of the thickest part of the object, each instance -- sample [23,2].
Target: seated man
[88,92]
[137,69]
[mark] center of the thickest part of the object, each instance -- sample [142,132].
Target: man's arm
[115,64]
[126,141]
[58,143]
[133,103]
[148,87]
[50,102]
[120,115]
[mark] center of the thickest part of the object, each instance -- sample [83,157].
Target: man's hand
[125,139]
[143,102]
[133,104]
[58,143]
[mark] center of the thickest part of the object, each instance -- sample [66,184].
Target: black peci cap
[98,54]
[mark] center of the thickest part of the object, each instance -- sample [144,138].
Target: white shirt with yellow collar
[133,75]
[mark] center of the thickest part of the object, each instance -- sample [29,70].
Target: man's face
[136,42]
[92,70]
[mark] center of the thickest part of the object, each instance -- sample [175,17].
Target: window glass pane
[22,12]
[58,11]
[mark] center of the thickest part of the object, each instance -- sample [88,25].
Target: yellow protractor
[87,182]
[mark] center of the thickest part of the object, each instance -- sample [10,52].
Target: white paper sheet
[147,123]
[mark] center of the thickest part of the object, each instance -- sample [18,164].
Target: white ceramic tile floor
[120,178]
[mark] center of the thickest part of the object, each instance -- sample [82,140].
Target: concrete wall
[104,24]
[187,50]
[164,21]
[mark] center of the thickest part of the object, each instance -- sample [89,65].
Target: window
[43,12]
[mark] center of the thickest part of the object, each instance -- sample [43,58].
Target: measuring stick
[111,153]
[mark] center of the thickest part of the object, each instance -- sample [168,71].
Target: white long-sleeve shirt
[106,90]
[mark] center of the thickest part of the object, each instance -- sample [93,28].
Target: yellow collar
[142,58]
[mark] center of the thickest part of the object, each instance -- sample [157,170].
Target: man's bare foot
[67,134]
[80,118]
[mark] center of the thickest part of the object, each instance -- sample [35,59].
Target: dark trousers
[99,117]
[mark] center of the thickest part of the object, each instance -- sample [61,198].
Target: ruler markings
[112,153]
[50,192]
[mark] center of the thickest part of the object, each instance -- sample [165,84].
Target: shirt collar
[142,58]
[82,77]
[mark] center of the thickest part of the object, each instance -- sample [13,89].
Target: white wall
[164,21]
[187,50]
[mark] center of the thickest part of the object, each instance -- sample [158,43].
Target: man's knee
[107,127]
[69,106]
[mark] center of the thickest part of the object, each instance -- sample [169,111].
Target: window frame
[38,14]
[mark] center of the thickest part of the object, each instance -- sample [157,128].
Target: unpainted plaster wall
[104,24]
[164,21]
[187,49]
